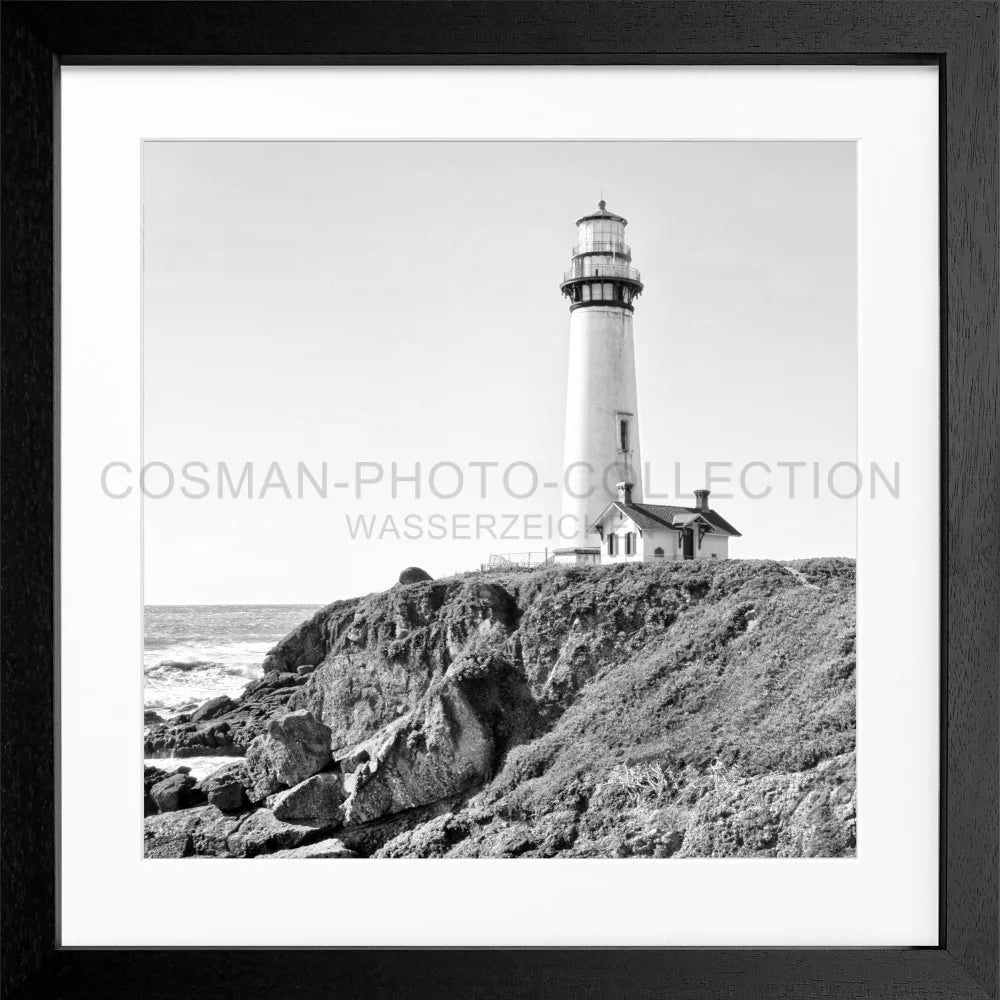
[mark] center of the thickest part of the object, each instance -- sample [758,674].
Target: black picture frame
[959,37]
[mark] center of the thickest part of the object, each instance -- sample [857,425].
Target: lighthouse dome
[602,213]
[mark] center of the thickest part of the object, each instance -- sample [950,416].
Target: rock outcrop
[295,747]
[453,741]
[660,710]
[225,731]
[205,832]
[212,708]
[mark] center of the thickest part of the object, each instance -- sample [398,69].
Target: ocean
[196,652]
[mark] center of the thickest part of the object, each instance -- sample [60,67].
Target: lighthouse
[602,429]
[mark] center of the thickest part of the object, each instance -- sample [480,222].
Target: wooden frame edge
[962,37]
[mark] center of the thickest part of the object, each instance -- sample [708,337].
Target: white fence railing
[517,560]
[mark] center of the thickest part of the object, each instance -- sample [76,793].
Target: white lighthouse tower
[602,429]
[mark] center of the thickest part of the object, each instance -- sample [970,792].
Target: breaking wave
[195,653]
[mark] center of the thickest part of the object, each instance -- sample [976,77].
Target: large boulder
[331,848]
[295,747]
[450,744]
[175,792]
[226,788]
[414,574]
[213,707]
[317,798]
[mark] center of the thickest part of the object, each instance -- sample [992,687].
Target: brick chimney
[701,499]
[625,492]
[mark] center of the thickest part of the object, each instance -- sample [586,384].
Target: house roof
[654,516]
[683,520]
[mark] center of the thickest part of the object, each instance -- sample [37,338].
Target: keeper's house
[643,532]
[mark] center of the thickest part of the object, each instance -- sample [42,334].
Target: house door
[688,544]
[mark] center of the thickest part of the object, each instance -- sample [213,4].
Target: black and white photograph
[499,499]
[554,442]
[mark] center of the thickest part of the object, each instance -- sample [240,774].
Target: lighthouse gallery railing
[587,268]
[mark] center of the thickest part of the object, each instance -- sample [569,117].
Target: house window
[658,552]
[623,435]
[612,545]
[630,544]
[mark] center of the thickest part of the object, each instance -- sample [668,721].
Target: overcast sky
[347,302]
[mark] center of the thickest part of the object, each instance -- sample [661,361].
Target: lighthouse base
[578,557]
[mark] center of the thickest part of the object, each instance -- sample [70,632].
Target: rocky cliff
[657,710]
